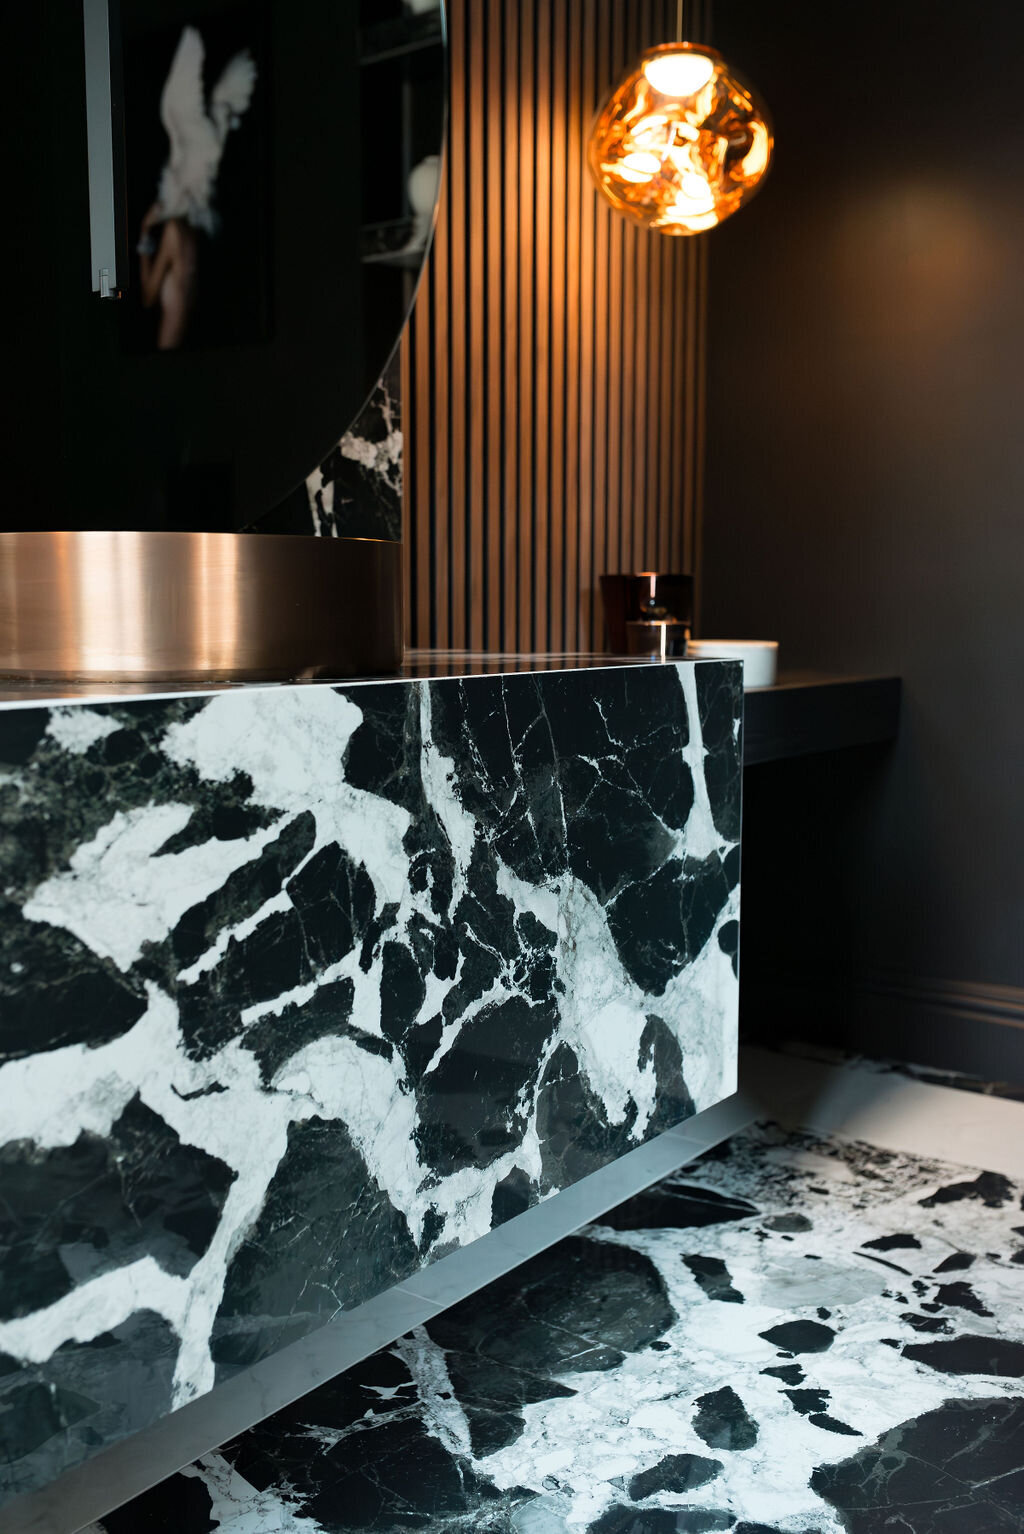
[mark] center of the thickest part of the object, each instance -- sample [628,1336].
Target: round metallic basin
[189,607]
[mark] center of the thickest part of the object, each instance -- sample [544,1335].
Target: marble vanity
[307,986]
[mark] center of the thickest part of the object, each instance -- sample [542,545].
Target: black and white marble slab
[794,1335]
[305,987]
[357,491]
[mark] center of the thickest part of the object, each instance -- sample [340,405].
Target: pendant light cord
[679,22]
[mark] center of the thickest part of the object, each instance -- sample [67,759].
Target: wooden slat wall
[554,365]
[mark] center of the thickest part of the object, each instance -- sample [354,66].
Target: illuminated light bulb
[755,161]
[682,142]
[696,222]
[686,218]
[651,131]
[679,74]
[697,189]
[638,167]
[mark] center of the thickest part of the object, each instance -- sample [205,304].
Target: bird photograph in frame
[196,155]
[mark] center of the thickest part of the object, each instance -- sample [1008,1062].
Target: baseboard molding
[950,1024]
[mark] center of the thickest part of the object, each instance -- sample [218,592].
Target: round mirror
[208,284]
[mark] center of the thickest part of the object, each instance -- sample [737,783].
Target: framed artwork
[196,154]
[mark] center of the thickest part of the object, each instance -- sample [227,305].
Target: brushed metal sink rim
[175,606]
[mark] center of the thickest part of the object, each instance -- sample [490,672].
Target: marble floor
[816,1327]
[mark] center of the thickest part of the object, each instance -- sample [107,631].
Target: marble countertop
[803,712]
[420,665]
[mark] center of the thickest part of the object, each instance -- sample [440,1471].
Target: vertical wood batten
[697,400]
[620,424]
[554,366]
[543,284]
[584,29]
[510,340]
[664,437]
[478,531]
[612,424]
[698,408]
[459,234]
[441,434]
[558,289]
[601,320]
[493,508]
[676,371]
[644,243]
[526,93]
[574,168]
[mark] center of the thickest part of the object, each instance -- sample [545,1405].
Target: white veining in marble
[76,729]
[121,891]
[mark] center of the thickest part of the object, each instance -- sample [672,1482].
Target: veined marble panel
[357,491]
[304,987]
[794,1335]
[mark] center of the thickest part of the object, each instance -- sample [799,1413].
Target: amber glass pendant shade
[682,142]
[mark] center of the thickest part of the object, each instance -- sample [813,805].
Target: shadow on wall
[864,501]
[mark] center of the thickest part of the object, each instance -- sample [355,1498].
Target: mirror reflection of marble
[275,201]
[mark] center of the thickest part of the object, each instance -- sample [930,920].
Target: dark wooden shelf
[806,712]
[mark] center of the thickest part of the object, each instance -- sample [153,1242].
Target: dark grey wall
[865,498]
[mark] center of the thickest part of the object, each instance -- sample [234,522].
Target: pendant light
[682,142]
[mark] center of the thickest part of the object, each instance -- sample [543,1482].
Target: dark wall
[865,498]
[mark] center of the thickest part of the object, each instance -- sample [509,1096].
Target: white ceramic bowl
[760,657]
